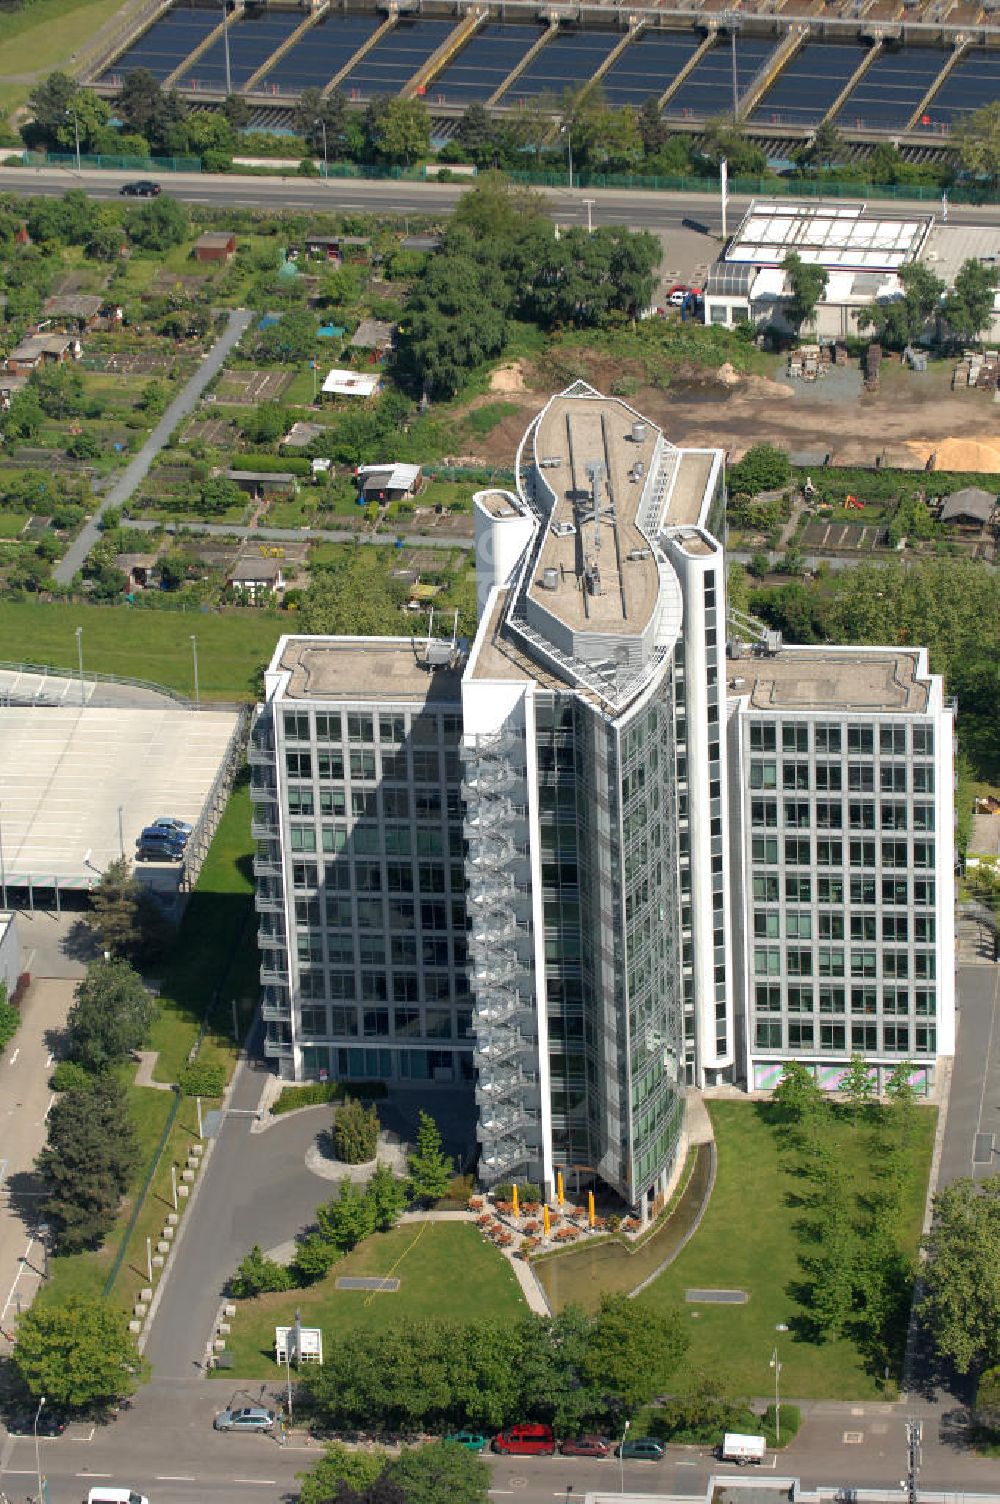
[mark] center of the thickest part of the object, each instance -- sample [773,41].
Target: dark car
[642,1449]
[586,1446]
[51,1422]
[165,830]
[143,188]
[158,848]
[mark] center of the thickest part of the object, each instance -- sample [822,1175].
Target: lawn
[145,644]
[47,35]
[12,524]
[445,1269]
[747,1241]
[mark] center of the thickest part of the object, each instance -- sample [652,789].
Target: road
[972,1132]
[641,207]
[298,534]
[137,469]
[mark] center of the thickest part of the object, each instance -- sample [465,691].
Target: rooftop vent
[638,433]
[550,579]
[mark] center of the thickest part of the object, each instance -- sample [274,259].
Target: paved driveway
[137,469]
[972,1132]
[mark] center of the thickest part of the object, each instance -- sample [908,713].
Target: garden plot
[216,431]
[250,387]
[138,363]
[845,537]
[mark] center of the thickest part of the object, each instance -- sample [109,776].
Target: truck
[743,1450]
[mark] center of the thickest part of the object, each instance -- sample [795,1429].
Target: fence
[49,671]
[111,164]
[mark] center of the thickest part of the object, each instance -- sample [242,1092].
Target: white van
[743,1450]
[115,1496]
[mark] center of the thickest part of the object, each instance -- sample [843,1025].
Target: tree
[724,138]
[256,1275]
[49,103]
[111,1016]
[762,468]
[355,1132]
[441,1473]
[968,307]
[315,1256]
[10,1018]
[833,1268]
[354,595]
[78,1352]
[346,1220]
[159,224]
[125,915]
[143,107]
[386,1196]
[430,1170]
[857,1087]
[796,1096]
[88,1163]
[823,147]
[398,130]
[316,111]
[477,134]
[904,319]
[358,1470]
[652,126]
[632,1361]
[807,283]
[292,338]
[902,1099]
[961,1304]
[975,139]
[266,423]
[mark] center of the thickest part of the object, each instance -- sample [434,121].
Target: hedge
[314,1093]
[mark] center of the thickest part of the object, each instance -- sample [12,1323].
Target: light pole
[590,202]
[121,832]
[76,133]
[194,654]
[621,1453]
[776,1365]
[79,658]
[38,1463]
[43,1234]
[326,164]
[225,44]
[569,152]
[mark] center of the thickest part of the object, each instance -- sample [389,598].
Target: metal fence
[200,839]
[47,670]
[111,164]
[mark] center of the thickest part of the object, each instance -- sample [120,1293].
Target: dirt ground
[910,419]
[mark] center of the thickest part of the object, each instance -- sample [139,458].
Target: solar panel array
[564,63]
[708,88]
[394,60]
[321,53]
[646,69]
[166,44]
[250,45]
[808,85]
[481,67]
[892,88]
[973,82]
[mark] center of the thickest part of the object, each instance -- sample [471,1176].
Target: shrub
[791,1419]
[987,1400]
[256,1275]
[504,1191]
[9,1020]
[203,1078]
[355,1132]
[314,1093]
[529,1191]
[69,1075]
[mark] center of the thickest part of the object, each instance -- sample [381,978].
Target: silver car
[250,1418]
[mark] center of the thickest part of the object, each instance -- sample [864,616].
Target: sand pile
[982,454]
[508,379]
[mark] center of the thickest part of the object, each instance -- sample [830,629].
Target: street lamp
[121,832]
[76,131]
[567,132]
[79,658]
[776,1365]
[43,1234]
[38,1464]
[326,164]
[621,1452]
[590,202]
[194,654]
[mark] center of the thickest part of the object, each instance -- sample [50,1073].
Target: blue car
[158,846]
[169,825]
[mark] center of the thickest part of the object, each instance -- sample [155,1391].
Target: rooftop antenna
[594,470]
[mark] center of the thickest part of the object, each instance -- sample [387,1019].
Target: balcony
[276,1013]
[263,830]
[267,866]
[503,1159]
[278,1049]
[269,901]
[260,752]
[270,974]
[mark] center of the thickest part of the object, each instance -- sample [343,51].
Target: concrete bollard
[183,1191]
[158,1260]
[224,1328]
[219,1344]
[229,1309]
[187,1176]
[168,1233]
[172,1219]
[197,1150]
[135,1326]
[139,1309]
[146,1294]
[163,1246]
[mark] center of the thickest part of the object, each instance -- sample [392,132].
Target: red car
[526,1441]
[586,1446]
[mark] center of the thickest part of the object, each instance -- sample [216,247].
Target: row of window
[920,892]
[421,765]
[380,950]
[829,852]
[373,840]
[317,985]
[376,1064]
[826,738]
[867,1039]
[835,925]
[316,1022]
[361,726]
[368,804]
[828,814]
[830,961]
[770,997]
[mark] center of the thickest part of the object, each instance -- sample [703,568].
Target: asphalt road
[972,1132]
[638,207]
[297,534]
[135,472]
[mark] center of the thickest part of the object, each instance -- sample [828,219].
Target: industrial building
[904,69]
[589,861]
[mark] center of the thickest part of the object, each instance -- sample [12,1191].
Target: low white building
[350,384]
[10,950]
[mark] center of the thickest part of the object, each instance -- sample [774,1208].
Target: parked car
[642,1449]
[180,828]
[158,847]
[142,188]
[470,1440]
[745,1451]
[526,1441]
[586,1446]
[677,294]
[250,1418]
[51,1421]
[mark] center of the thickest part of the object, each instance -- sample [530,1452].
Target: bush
[69,1075]
[987,1400]
[791,1419]
[314,1093]
[256,1275]
[762,468]
[9,1020]
[203,1078]
[355,1132]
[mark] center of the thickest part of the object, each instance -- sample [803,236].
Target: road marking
[177,1478]
[89,1474]
[13,1058]
[49,1108]
[264,1482]
[49,1059]
[17,1276]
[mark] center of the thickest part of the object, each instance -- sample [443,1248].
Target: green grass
[12,524]
[154,645]
[482,420]
[45,36]
[296,513]
[747,1241]
[445,1268]
[215,949]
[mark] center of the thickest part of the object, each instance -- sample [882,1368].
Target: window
[864,927]
[767,960]
[360,728]
[860,739]
[765,849]
[406,1021]
[376,1022]
[426,768]
[795,738]
[831,961]
[405,987]
[923,853]
[363,765]
[765,887]
[864,1001]
[368,877]
[338,913]
[924,892]
[762,737]
[768,1034]
[863,853]
[861,815]
[330,765]
[830,889]
[374,986]
[798,889]
[923,778]
[863,963]
[797,851]
[799,926]
[864,1037]
[829,776]
[765,925]
[831,999]
[391,728]
[829,852]
[896,1037]
[800,999]
[439,1025]
[892,778]
[925,1002]
[404,950]
[829,814]
[925,1038]
[300,801]
[924,928]
[296,725]
[312,1022]
[399,877]
[340,950]
[923,817]
[895,963]
[767,996]
[395,765]
[924,965]
[303,837]
[795,775]
[827,738]
[763,813]
[895,1000]
[335,838]
[800,1034]
[396,804]
[298,764]
[923,741]
[895,927]
[831,926]
[344,1021]
[763,775]
[893,815]
[304,875]
[799,961]
[894,854]
[831,1037]
[797,814]
[861,778]
[894,890]
[892,740]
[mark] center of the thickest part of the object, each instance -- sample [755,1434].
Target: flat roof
[838,236]
[686,501]
[379,668]
[835,679]
[574,433]
[351,383]
[950,246]
[68,769]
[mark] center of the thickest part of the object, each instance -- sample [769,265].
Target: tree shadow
[26,1196]
[81,943]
